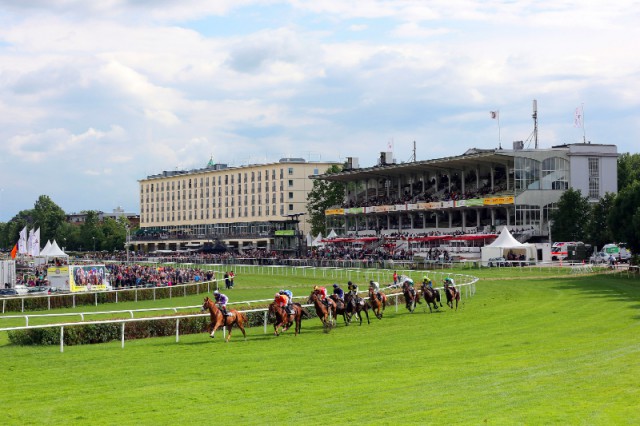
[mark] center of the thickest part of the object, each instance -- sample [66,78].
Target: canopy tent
[318,241]
[332,234]
[309,239]
[55,251]
[46,248]
[504,245]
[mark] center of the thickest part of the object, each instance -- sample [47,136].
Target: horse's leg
[366,312]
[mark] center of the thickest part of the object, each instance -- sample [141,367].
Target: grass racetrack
[524,350]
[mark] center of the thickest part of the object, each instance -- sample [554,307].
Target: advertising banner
[58,277]
[333,212]
[498,201]
[87,278]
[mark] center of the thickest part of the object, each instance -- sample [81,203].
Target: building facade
[474,192]
[245,206]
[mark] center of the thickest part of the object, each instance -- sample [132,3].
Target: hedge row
[41,303]
[102,333]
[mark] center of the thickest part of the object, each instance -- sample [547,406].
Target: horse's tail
[242,318]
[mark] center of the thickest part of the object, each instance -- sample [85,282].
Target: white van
[619,251]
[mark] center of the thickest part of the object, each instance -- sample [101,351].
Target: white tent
[318,241]
[309,239]
[332,234]
[46,248]
[505,244]
[54,251]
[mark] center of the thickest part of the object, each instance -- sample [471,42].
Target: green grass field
[536,348]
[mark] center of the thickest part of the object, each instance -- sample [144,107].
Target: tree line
[93,234]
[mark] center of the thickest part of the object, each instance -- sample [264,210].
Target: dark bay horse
[219,320]
[411,297]
[356,306]
[377,305]
[326,313]
[452,294]
[286,320]
[431,296]
[341,309]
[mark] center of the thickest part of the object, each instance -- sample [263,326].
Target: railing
[468,286]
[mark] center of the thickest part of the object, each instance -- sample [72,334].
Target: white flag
[35,243]
[22,242]
[494,114]
[577,120]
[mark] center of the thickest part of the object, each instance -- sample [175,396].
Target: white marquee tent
[505,244]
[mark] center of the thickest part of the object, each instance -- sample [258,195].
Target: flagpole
[499,137]
[584,133]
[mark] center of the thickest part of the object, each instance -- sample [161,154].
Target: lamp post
[94,244]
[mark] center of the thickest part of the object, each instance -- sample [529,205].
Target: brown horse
[285,319]
[355,306]
[431,296]
[326,313]
[411,297]
[452,294]
[377,305]
[219,320]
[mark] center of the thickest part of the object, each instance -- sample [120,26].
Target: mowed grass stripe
[518,352]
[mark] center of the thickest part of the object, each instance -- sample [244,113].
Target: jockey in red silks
[322,290]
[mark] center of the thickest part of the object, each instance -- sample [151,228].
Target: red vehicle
[559,250]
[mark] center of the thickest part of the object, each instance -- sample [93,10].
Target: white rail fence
[468,285]
[180,290]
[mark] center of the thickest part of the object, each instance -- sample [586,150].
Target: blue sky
[97,95]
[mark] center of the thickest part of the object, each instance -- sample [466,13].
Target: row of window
[215,214]
[160,196]
[204,181]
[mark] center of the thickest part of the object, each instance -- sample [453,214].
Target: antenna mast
[414,151]
[535,123]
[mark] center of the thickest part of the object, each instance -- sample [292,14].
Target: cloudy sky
[95,95]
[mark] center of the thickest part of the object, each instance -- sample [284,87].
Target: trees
[571,217]
[628,170]
[624,217]
[598,230]
[323,196]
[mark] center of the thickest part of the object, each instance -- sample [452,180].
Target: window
[290,207]
[290,171]
[527,174]
[291,195]
[554,173]
[594,178]
[290,183]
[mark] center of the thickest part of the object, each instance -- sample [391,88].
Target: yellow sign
[333,212]
[498,200]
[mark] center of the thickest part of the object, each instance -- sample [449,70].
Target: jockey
[375,286]
[338,291]
[448,282]
[289,295]
[322,291]
[395,277]
[221,301]
[427,281]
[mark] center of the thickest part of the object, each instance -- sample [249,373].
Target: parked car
[600,257]
[497,261]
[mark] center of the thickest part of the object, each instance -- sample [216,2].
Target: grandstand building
[252,206]
[476,192]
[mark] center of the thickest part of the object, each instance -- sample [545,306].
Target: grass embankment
[526,351]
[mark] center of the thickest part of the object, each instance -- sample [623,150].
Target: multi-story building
[477,191]
[252,206]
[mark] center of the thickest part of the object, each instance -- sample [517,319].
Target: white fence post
[122,332]
[61,339]
[177,330]
[265,322]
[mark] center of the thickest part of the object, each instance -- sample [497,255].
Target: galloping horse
[377,305]
[410,296]
[431,296]
[219,320]
[286,320]
[452,294]
[356,307]
[341,309]
[323,311]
